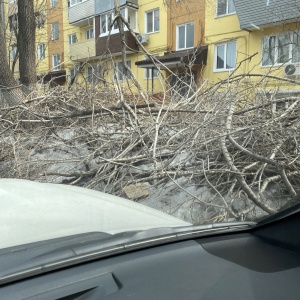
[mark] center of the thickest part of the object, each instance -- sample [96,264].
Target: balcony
[115,45]
[83,50]
[82,14]
[104,6]
[257,14]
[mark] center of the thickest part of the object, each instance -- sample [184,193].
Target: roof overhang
[55,76]
[177,59]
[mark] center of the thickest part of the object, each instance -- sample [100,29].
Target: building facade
[253,37]
[190,40]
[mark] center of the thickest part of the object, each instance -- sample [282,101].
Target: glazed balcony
[81,14]
[107,5]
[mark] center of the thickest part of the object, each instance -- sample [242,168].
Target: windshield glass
[186,110]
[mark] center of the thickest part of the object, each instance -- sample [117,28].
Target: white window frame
[115,29]
[185,36]
[55,67]
[41,51]
[227,8]
[72,38]
[55,31]
[153,29]
[89,34]
[53,3]
[291,36]
[75,2]
[225,56]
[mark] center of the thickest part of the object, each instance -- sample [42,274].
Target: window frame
[185,31]
[215,69]
[153,21]
[53,3]
[56,67]
[88,34]
[54,34]
[75,2]
[115,29]
[276,49]
[70,38]
[39,52]
[227,6]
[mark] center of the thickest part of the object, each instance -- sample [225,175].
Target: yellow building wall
[157,44]
[249,44]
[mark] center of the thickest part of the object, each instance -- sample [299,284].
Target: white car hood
[32,211]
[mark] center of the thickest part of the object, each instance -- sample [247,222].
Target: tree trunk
[10,93]
[26,43]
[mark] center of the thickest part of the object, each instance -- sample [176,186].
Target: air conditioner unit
[292,70]
[143,38]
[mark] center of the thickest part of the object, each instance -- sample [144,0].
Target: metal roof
[176,59]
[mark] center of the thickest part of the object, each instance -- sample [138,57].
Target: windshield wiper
[76,252]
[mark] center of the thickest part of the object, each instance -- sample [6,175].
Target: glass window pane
[220,57]
[149,22]
[103,23]
[268,50]
[181,37]
[221,7]
[132,18]
[231,55]
[284,42]
[296,47]
[156,20]
[231,7]
[190,35]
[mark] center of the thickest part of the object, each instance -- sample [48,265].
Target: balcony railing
[83,50]
[80,13]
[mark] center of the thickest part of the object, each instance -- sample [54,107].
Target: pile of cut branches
[226,147]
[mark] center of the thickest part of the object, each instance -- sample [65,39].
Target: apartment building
[265,31]
[185,54]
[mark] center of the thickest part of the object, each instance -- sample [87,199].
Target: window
[56,62]
[121,73]
[89,33]
[55,31]
[280,49]
[105,21]
[152,21]
[13,52]
[72,38]
[130,16]
[185,36]
[41,51]
[92,74]
[225,7]
[13,22]
[74,2]
[151,73]
[225,56]
[53,3]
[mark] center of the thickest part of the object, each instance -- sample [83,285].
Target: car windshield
[120,116]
